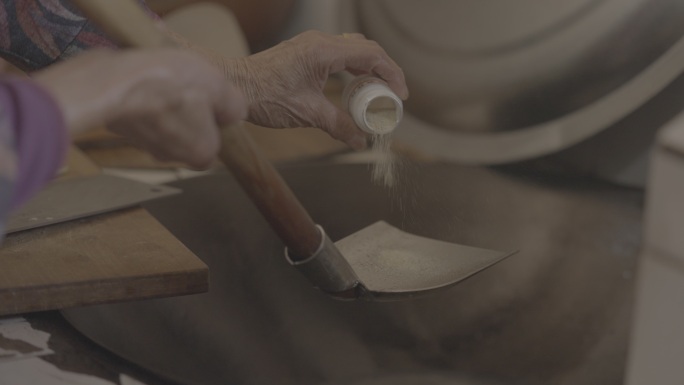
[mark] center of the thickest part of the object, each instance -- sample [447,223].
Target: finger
[196,140]
[340,126]
[394,76]
[357,72]
[139,135]
[189,135]
[357,56]
[135,130]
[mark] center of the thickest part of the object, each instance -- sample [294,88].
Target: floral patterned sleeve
[37,33]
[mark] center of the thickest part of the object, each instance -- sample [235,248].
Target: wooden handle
[270,193]
[127,23]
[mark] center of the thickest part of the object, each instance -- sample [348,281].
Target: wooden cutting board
[120,256]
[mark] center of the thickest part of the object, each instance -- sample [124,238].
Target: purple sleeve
[39,134]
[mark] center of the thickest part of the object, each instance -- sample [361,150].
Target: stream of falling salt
[384,165]
[382,119]
[388,171]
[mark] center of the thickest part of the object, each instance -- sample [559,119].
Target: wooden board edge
[34,299]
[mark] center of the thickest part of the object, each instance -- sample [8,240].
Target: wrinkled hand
[284,84]
[170,102]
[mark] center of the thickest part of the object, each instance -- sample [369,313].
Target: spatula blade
[390,262]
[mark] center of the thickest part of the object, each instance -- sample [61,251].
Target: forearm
[37,33]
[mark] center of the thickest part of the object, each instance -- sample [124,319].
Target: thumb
[230,106]
[340,125]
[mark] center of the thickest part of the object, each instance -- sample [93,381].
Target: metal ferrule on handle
[327,269]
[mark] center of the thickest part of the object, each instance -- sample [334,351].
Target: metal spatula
[376,262]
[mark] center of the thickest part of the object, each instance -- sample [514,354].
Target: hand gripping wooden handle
[125,22]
